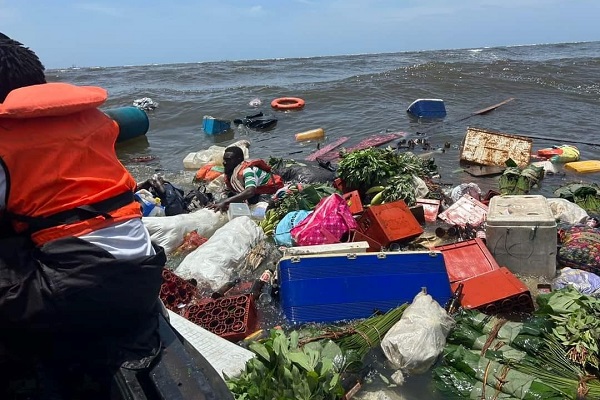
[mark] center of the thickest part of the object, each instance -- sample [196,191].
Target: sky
[126,32]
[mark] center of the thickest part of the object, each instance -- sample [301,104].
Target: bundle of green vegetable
[363,169]
[586,196]
[576,319]
[454,384]
[282,370]
[515,181]
[372,167]
[368,333]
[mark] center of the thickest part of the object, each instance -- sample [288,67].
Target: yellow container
[584,167]
[313,134]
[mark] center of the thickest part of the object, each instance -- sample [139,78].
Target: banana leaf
[508,380]
[499,349]
[455,384]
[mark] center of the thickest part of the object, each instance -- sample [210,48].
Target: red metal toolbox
[467,259]
[497,291]
[391,222]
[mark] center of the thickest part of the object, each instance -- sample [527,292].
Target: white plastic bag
[214,262]
[583,281]
[414,343]
[566,211]
[168,232]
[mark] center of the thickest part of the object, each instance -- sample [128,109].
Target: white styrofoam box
[237,210]
[521,234]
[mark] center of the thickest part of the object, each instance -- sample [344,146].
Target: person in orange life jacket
[246,180]
[75,257]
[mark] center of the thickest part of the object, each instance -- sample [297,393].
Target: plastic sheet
[214,262]
[169,232]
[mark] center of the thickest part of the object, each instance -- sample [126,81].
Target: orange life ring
[287,103]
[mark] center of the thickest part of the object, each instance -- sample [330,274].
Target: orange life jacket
[275,182]
[63,175]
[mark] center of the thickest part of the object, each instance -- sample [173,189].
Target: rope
[582,388]
[493,333]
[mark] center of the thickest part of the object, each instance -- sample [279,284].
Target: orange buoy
[287,103]
[318,133]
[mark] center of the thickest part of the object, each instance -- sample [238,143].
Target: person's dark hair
[19,66]
[237,152]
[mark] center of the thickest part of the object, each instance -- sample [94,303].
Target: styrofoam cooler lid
[516,210]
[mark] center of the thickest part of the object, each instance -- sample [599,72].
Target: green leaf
[260,350]
[301,359]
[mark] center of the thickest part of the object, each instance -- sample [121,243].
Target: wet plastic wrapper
[583,281]
[169,231]
[214,262]
[414,343]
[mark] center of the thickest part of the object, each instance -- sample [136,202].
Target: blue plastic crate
[212,126]
[326,288]
[428,108]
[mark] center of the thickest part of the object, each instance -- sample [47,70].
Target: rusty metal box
[485,147]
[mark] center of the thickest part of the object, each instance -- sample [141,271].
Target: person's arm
[250,183]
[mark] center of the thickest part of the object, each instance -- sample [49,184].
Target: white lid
[520,210]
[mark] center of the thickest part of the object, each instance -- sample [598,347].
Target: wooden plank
[326,149]
[487,109]
[371,141]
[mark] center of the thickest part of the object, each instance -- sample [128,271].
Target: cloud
[100,9]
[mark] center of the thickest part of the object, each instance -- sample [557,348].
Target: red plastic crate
[391,222]
[175,291]
[467,259]
[353,200]
[498,291]
[231,317]
[431,207]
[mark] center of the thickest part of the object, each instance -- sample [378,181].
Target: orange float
[287,103]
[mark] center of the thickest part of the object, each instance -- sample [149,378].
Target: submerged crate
[467,259]
[497,291]
[337,287]
[213,126]
[521,234]
[486,147]
[388,223]
[232,317]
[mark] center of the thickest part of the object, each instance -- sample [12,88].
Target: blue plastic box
[427,108]
[213,126]
[334,287]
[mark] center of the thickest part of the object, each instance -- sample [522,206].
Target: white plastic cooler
[521,234]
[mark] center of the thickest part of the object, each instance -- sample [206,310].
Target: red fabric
[274,184]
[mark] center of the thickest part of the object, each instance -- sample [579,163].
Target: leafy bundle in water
[515,181]
[585,195]
[500,376]
[576,320]
[363,169]
[454,384]
[283,370]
